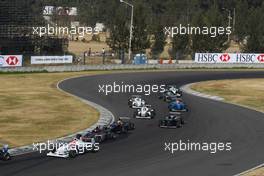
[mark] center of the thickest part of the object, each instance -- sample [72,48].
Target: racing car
[171,92]
[177,106]
[174,89]
[4,154]
[145,112]
[172,121]
[100,134]
[123,125]
[76,147]
[136,101]
[168,96]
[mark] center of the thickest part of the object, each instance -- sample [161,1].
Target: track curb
[105,118]
[187,89]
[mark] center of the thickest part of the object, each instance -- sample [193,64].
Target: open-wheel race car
[136,101]
[172,121]
[101,134]
[145,112]
[178,106]
[77,146]
[171,92]
[122,125]
[4,154]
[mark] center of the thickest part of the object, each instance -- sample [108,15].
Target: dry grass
[247,92]
[33,110]
[257,172]
[78,47]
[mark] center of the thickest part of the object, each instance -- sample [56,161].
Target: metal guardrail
[74,68]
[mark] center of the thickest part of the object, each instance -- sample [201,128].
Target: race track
[142,151]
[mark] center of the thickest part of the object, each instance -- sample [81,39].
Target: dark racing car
[101,134]
[4,154]
[171,121]
[123,125]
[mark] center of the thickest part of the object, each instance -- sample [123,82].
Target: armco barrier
[126,67]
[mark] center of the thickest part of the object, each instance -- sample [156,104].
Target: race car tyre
[98,139]
[124,130]
[179,124]
[72,153]
[7,157]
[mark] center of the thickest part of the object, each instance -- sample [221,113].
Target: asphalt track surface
[142,151]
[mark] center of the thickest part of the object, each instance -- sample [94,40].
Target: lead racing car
[174,89]
[172,121]
[145,112]
[172,92]
[136,101]
[76,147]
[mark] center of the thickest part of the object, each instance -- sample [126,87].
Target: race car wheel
[135,115]
[98,139]
[6,157]
[72,154]
[179,124]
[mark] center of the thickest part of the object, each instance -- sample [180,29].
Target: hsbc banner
[51,59]
[239,58]
[11,60]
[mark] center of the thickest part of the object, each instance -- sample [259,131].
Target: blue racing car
[177,106]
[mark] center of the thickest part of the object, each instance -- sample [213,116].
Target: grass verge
[33,110]
[246,92]
[257,172]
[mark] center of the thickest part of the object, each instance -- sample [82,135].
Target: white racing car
[145,112]
[76,147]
[136,102]
[174,89]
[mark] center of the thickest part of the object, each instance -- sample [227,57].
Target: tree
[242,13]
[119,32]
[210,42]
[140,41]
[255,40]
[159,41]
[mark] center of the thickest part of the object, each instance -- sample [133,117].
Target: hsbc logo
[1,60]
[234,58]
[261,58]
[206,58]
[225,57]
[246,58]
[12,60]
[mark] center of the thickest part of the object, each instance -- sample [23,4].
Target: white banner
[240,58]
[11,60]
[51,10]
[51,59]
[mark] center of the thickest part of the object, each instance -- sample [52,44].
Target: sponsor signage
[240,58]
[11,60]
[66,11]
[51,59]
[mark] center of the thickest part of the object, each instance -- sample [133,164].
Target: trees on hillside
[153,15]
